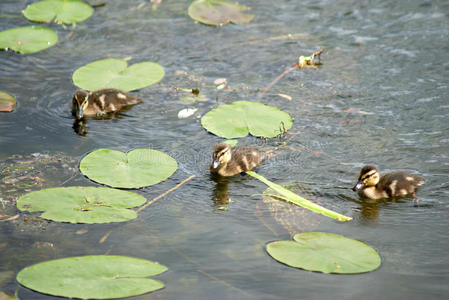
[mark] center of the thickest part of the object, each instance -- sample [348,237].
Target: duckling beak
[358,185]
[215,164]
[79,113]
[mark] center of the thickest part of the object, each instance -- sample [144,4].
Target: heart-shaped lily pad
[7,102]
[115,73]
[93,277]
[82,204]
[218,12]
[61,11]
[135,169]
[28,39]
[239,118]
[325,252]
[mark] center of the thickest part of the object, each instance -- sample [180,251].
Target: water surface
[380,97]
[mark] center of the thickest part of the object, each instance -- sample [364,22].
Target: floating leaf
[239,118]
[325,252]
[135,169]
[289,196]
[93,277]
[218,12]
[28,39]
[82,204]
[7,102]
[61,11]
[115,73]
[6,296]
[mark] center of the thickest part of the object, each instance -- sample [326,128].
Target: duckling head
[221,156]
[80,103]
[369,176]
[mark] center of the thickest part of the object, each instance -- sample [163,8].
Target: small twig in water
[105,237]
[164,194]
[303,62]
[277,79]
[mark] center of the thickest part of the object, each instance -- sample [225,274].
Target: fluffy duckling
[374,186]
[228,161]
[101,102]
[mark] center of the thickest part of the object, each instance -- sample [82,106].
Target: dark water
[381,96]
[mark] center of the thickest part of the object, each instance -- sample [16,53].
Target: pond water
[381,96]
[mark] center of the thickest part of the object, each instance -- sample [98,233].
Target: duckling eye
[367,176]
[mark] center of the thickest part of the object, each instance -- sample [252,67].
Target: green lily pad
[82,204]
[61,11]
[28,39]
[93,277]
[239,118]
[115,73]
[218,12]
[7,102]
[135,169]
[325,252]
[231,142]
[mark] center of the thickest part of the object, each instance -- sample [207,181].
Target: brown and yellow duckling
[373,185]
[101,102]
[228,161]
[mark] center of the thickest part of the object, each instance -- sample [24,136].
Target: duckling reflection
[101,103]
[228,161]
[396,184]
[220,195]
[80,127]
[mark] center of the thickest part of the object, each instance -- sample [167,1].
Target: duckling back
[110,100]
[244,159]
[399,183]
[101,102]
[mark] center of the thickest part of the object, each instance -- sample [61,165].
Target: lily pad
[218,12]
[325,252]
[135,169]
[115,73]
[7,102]
[239,118]
[82,204]
[28,39]
[93,277]
[61,11]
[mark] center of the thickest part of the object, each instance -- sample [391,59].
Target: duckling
[374,186]
[101,102]
[228,161]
